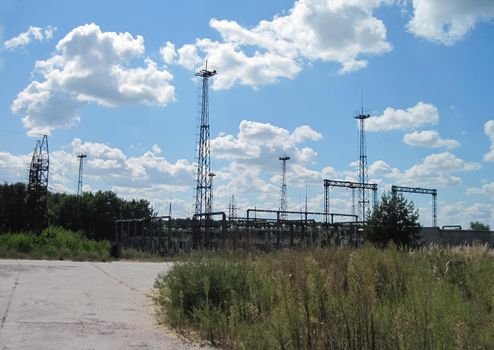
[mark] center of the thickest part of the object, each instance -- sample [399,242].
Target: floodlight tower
[37,188]
[362,169]
[209,205]
[203,184]
[283,197]
[79,182]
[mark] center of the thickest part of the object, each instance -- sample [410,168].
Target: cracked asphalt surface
[80,305]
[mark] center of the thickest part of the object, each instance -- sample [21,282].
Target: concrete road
[80,305]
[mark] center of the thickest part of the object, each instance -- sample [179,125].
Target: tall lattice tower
[81,166]
[232,209]
[37,188]
[283,197]
[203,183]
[362,167]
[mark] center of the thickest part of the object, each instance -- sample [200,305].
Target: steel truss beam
[420,190]
[347,184]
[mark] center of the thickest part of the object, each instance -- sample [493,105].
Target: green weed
[335,298]
[53,243]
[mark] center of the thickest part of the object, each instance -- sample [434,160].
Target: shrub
[205,293]
[53,243]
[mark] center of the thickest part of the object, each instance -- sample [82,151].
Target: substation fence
[213,231]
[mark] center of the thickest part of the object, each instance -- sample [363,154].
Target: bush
[204,293]
[53,243]
[336,298]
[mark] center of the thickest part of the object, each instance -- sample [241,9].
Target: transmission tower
[283,197]
[37,188]
[79,182]
[203,183]
[362,171]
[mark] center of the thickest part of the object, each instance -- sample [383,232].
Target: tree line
[92,213]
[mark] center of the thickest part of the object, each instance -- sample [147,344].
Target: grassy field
[52,243]
[336,298]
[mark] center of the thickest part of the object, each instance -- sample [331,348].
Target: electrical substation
[262,229]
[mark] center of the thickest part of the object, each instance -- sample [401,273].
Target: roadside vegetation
[335,298]
[53,243]
[388,294]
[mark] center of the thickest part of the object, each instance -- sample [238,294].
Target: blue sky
[115,80]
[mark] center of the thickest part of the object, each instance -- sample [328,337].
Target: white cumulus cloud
[344,32]
[403,119]
[437,170]
[461,213]
[260,142]
[447,22]
[487,190]
[14,168]
[253,164]
[168,52]
[429,139]
[380,168]
[489,131]
[33,33]
[91,66]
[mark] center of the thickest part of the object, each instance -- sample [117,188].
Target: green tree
[93,214]
[393,219]
[13,209]
[478,226]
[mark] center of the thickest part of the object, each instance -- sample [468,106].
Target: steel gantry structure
[420,190]
[347,184]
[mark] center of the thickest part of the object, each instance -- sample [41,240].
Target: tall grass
[53,243]
[336,298]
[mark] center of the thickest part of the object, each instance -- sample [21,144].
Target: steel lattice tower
[37,189]
[283,197]
[203,183]
[362,168]
[232,209]
[79,182]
